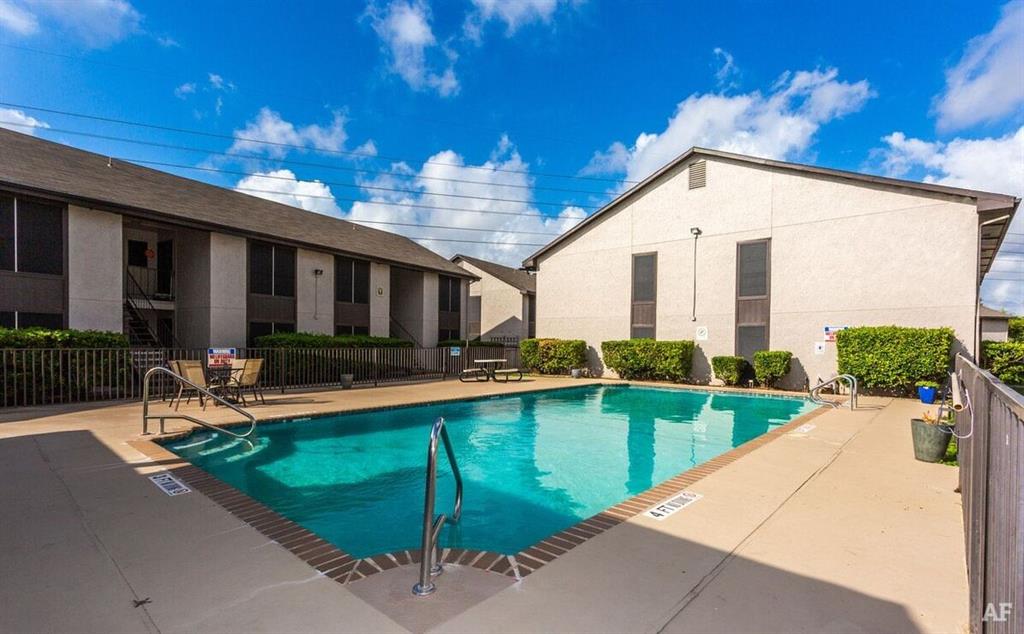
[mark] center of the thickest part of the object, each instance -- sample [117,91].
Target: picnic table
[490,366]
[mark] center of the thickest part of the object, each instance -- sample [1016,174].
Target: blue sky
[564,99]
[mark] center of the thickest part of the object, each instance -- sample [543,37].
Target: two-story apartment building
[93,243]
[742,254]
[501,302]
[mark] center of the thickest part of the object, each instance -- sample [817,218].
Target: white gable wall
[841,254]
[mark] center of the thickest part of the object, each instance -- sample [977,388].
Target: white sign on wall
[819,347]
[701,334]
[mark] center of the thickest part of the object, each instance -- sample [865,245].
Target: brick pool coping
[344,568]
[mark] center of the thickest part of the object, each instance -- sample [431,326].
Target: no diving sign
[673,504]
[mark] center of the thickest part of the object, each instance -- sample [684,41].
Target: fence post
[376,368]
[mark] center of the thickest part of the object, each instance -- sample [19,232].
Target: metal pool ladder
[430,565]
[839,379]
[146,416]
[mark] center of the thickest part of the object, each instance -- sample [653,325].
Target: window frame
[632,295]
[767,267]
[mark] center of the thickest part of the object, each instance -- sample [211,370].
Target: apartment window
[22,319]
[137,253]
[7,234]
[753,297]
[446,334]
[753,269]
[449,294]
[645,296]
[271,269]
[261,328]
[351,280]
[351,330]
[31,236]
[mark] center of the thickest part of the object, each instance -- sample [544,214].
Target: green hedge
[729,369]
[46,338]
[1005,359]
[553,356]
[893,358]
[314,340]
[648,359]
[1016,329]
[771,365]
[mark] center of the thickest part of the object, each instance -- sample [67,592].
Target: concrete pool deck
[834,530]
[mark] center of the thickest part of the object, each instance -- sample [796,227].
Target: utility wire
[357,186]
[413,224]
[232,137]
[256,157]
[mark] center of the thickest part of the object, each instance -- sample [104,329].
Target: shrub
[46,338]
[1016,329]
[771,365]
[314,340]
[553,356]
[1005,360]
[649,359]
[892,357]
[729,369]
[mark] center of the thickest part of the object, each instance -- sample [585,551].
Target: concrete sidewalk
[835,530]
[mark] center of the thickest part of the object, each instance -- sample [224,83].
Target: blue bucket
[926,394]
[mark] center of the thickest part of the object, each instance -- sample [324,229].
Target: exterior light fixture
[695,231]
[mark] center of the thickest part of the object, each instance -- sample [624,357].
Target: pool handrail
[851,380]
[202,390]
[429,564]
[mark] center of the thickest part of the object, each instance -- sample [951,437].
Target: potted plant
[346,381]
[926,391]
[931,436]
[576,372]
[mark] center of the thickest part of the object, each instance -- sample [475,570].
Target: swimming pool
[532,464]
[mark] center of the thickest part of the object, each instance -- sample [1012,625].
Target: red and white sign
[220,357]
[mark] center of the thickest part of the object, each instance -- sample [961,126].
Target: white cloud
[513,183]
[17,19]
[96,23]
[513,14]
[167,42]
[406,35]
[989,164]
[284,187]
[19,121]
[988,81]
[725,74]
[270,127]
[217,82]
[780,124]
[184,90]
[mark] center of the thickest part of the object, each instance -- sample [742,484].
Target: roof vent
[698,174]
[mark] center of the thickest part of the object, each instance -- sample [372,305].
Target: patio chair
[193,371]
[248,379]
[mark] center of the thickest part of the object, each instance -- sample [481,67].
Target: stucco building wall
[314,304]
[95,274]
[841,254]
[501,306]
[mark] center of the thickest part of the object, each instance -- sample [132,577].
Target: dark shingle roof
[513,277]
[992,313]
[77,176]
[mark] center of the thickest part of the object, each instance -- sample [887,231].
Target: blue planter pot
[926,394]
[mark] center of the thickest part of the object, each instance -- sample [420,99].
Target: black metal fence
[991,455]
[36,376]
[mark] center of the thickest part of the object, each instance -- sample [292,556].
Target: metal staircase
[136,325]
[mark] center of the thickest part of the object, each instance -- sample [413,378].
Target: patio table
[490,365]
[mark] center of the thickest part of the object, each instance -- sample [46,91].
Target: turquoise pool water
[532,464]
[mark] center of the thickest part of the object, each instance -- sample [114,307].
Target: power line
[356,186]
[395,204]
[232,137]
[413,224]
[507,244]
[256,157]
